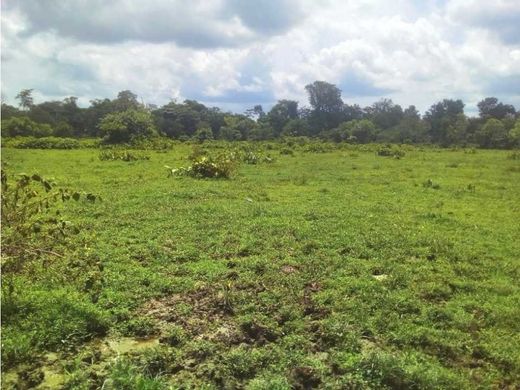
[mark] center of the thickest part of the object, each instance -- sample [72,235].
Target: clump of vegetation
[318,147]
[514,156]
[29,210]
[127,126]
[390,151]
[431,184]
[256,158]
[123,155]
[286,151]
[220,167]
[44,143]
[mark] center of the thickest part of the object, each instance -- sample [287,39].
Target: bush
[287,152]
[390,151]
[203,134]
[123,155]
[23,126]
[44,143]
[222,166]
[30,225]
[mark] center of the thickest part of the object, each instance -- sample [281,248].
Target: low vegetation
[325,267]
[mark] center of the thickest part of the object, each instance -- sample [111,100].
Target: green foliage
[125,376]
[45,143]
[326,270]
[31,223]
[514,135]
[492,134]
[56,319]
[23,126]
[127,126]
[431,184]
[390,151]
[356,131]
[203,134]
[123,155]
[221,166]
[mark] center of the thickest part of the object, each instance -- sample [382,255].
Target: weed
[431,184]
[123,155]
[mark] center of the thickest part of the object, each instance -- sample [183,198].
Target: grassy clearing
[326,268]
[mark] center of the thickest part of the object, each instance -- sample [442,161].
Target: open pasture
[324,268]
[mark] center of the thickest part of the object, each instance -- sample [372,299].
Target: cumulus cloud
[501,17]
[197,24]
[235,54]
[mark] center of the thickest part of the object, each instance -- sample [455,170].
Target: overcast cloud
[238,53]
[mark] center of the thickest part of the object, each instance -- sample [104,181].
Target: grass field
[329,270]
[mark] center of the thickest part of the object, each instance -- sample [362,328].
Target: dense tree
[126,100]
[326,103]
[514,135]
[124,118]
[127,126]
[492,134]
[441,116]
[26,98]
[490,107]
[296,128]
[384,113]
[255,113]
[353,112]
[203,134]
[356,131]
[24,126]
[9,111]
[280,114]
[411,129]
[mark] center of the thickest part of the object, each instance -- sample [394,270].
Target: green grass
[340,269]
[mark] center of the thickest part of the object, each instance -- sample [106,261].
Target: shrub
[30,225]
[44,143]
[390,151]
[222,166]
[287,152]
[123,155]
[431,184]
[23,126]
[256,158]
[203,134]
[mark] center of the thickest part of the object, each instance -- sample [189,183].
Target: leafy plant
[123,155]
[44,143]
[431,184]
[390,151]
[31,222]
[221,166]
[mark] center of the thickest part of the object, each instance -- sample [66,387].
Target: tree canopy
[125,118]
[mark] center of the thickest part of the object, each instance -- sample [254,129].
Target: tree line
[125,119]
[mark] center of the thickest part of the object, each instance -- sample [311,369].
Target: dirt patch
[289,269]
[305,378]
[310,308]
[203,314]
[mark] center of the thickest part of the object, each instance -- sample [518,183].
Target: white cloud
[230,54]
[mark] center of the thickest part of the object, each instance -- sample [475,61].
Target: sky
[235,54]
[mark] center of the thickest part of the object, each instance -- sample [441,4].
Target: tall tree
[385,114]
[440,116]
[325,99]
[490,107]
[281,113]
[26,98]
[255,113]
